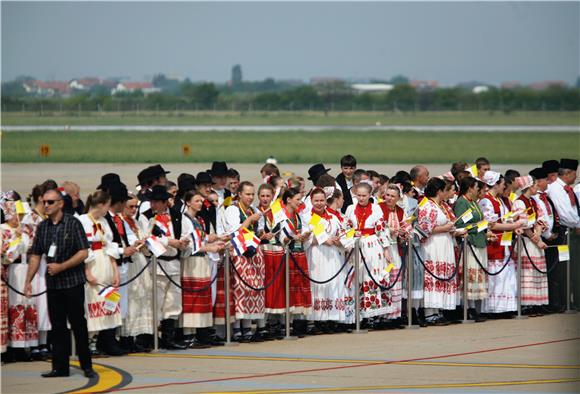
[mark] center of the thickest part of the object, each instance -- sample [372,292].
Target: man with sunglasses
[62,239]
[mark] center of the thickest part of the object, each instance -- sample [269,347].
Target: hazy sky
[448,42]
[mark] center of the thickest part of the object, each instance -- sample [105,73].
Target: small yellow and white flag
[473,170]
[423,202]
[513,197]
[506,238]
[531,219]
[482,225]
[563,253]
[466,216]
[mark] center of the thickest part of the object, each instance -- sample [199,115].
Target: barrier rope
[267,285]
[204,288]
[432,274]
[320,282]
[136,276]
[383,288]
[19,292]
[485,269]
[546,272]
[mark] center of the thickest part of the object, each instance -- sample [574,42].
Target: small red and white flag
[155,246]
[243,239]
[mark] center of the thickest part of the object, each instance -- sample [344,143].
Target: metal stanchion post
[569,310]
[287,296]
[228,325]
[356,297]
[410,285]
[154,304]
[519,277]
[73,349]
[465,284]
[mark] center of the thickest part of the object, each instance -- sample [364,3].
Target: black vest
[175,222]
[341,180]
[209,217]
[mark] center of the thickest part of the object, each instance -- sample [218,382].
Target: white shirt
[549,219]
[567,212]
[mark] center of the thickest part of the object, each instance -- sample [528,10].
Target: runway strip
[365,364]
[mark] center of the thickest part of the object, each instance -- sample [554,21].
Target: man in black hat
[185,183]
[175,235]
[219,173]
[208,210]
[568,209]
[149,177]
[122,255]
[553,234]
[551,167]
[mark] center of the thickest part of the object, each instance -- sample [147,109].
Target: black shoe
[257,337]
[55,374]
[89,373]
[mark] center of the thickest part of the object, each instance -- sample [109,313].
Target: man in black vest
[208,210]
[149,177]
[344,179]
[167,227]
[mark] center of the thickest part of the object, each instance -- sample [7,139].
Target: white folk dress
[439,259]
[99,262]
[502,293]
[325,261]
[372,299]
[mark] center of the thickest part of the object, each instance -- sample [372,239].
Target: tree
[402,97]
[399,80]
[206,94]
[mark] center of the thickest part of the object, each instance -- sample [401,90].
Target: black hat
[203,177]
[316,171]
[108,179]
[118,192]
[569,164]
[158,171]
[551,166]
[186,182]
[218,168]
[539,173]
[159,193]
[145,176]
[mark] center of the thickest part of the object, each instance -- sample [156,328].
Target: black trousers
[556,278]
[63,305]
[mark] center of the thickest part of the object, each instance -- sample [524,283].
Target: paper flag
[531,218]
[482,225]
[513,197]
[423,202]
[227,201]
[467,215]
[320,233]
[389,267]
[155,246]
[278,212]
[473,170]
[506,238]
[563,253]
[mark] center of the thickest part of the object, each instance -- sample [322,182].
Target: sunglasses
[132,206]
[50,202]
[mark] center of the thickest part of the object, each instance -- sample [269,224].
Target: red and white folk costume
[366,220]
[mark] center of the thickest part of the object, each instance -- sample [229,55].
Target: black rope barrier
[19,292]
[181,287]
[546,272]
[484,268]
[431,273]
[136,276]
[383,288]
[267,285]
[320,282]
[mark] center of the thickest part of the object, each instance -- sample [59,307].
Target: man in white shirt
[566,203]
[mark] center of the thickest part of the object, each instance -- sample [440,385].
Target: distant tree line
[269,95]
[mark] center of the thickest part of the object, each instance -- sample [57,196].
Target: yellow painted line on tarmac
[107,377]
[343,361]
[402,387]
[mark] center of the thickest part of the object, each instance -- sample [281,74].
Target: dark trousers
[63,305]
[556,278]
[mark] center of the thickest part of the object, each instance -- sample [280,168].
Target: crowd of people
[89,263]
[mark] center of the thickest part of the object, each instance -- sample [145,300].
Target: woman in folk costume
[196,275]
[29,225]
[249,303]
[294,233]
[534,284]
[273,258]
[367,220]
[439,250]
[502,290]
[101,271]
[325,260]
[469,214]
[138,321]
[399,230]
[22,313]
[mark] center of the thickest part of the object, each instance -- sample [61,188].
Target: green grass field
[291,118]
[289,147]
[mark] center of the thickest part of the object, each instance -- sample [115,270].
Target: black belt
[17,261]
